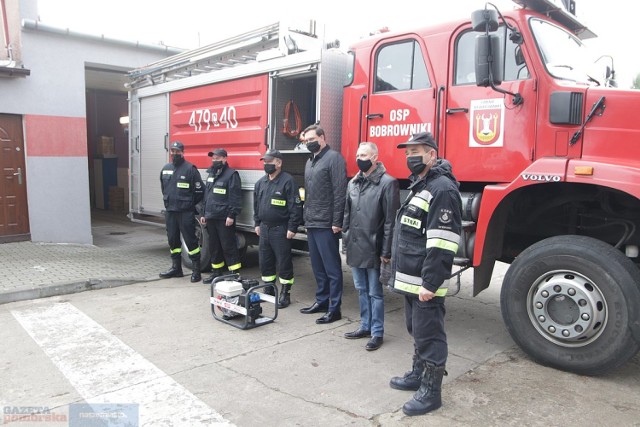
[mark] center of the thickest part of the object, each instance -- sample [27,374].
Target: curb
[68,288]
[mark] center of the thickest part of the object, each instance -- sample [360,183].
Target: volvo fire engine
[546,150]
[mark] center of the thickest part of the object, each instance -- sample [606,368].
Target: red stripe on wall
[54,136]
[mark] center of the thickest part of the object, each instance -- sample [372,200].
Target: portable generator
[239,302]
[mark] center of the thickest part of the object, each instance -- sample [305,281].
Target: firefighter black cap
[271,154]
[177,145]
[421,138]
[218,152]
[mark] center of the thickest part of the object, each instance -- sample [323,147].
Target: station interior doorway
[107,139]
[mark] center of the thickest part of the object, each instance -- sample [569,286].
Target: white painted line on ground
[105,370]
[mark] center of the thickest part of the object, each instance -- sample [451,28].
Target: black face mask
[177,159]
[217,165]
[269,168]
[415,164]
[364,165]
[313,146]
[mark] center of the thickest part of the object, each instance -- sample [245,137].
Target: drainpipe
[5,27]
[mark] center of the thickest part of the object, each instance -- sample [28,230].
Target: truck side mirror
[484,20]
[489,60]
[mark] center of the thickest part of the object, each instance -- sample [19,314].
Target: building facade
[61,97]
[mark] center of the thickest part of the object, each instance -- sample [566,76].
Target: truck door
[152,150]
[401,100]
[488,138]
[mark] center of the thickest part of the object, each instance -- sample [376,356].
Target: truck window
[514,65]
[564,55]
[400,66]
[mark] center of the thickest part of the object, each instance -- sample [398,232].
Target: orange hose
[286,128]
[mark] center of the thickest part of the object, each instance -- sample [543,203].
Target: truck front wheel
[569,302]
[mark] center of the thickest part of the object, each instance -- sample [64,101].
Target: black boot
[411,379]
[174,271]
[269,289]
[285,298]
[427,398]
[216,272]
[195,271]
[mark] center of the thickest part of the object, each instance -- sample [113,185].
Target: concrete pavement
[123,253]
[328,381]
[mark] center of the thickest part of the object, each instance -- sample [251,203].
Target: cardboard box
[116,198]
[105,146]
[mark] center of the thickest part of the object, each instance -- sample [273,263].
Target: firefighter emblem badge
[445,216]
[487,123]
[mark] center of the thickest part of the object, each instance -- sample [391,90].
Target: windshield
[563,54]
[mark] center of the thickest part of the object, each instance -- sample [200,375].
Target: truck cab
[548,160]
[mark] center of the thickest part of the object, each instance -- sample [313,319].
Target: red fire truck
[546,151]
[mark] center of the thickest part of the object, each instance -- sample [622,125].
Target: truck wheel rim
[567,308]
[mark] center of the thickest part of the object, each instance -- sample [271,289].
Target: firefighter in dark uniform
[182,189]
[426,238]
[222,204]
[277,213]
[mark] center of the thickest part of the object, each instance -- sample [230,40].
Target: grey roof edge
[30,24]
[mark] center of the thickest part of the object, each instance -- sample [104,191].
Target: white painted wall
[58,185]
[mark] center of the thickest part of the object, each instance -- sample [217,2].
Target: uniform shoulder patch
[445,216]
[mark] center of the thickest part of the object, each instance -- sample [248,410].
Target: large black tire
[205,252]
[569,302]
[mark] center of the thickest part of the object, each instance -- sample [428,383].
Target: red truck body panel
[231,115]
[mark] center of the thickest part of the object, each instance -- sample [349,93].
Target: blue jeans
[367,282]
[327,266]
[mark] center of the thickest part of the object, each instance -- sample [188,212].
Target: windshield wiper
[561,66]
[591,79]
[598,104]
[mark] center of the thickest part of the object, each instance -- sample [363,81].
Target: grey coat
[369,217]
[325,182]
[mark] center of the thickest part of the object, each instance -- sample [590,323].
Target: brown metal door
[14,216]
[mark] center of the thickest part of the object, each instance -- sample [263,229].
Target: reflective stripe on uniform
[412,284]
[210,179]
[219,265]
[176,250]
[442,244]
[269,279]
[443,239]
[195,251]
[447,235]
[183,185]
[286,281]
[235,267]
[422,200]
[277,202]
[220,190]
[419,202]
[167,172]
